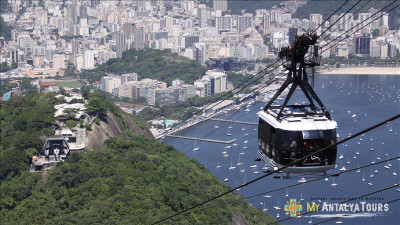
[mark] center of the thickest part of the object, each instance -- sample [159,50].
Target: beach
[363,71]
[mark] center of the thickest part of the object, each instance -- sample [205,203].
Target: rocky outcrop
[111,127]
[239,219]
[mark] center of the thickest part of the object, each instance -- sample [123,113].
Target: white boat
[341,156]
[245,142]
[302,180]
[226,179]
[216,127]
[218,166]
[343,168]
[253,166]
[333,182]
[232,167]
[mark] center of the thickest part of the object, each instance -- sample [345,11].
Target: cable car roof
[297,123]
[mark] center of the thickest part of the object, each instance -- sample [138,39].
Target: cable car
[287,133]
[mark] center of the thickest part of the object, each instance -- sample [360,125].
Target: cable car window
[330,135]
[312,134]
[288,139]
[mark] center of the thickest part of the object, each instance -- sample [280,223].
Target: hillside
[135,181]
[150,63]
[111,126]
[326,8]
[130,179]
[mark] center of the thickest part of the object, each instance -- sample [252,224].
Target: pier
[234,121]
[202,139]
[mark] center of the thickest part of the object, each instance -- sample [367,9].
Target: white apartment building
[108,83]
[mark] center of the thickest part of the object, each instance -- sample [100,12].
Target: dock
[234,121]
[202,139]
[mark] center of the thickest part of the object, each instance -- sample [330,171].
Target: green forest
[132,180]
[156,64]
[5,30]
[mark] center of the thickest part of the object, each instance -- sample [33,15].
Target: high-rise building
[94,3]
[203,14]
[317,18]
[217,80]
[244,22]
[223,22]
[88,56]
[266,21]
[220,5]
[75,43]
[292,35]
[139,38]
[127,29]
[362,44]
[190,40]
[108,83]
[58,61]
[120,43]
[129,77]
[365,19]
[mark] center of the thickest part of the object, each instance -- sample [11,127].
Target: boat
[302,180]
[232,167]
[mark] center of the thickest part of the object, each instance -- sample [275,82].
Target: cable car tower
[296,63]
[289,132]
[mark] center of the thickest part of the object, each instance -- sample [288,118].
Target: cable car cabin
[291,138]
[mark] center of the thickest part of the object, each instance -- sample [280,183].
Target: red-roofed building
[47,83]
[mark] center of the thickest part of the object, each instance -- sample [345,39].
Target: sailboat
[363,179]
[286,195]
[379,155]
[333,182]
[277,207]
[264,209]
[301,197]
[239,163]
[232,167]
[241,169]
[218,166]
[195,148]
[358,169]
[237,189]
[229,134]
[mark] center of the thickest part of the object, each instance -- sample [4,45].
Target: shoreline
[362,71]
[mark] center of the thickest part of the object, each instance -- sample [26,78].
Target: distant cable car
[287,133]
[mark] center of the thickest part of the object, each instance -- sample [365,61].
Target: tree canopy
[150,63]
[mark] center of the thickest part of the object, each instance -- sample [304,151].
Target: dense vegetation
[180,110]
[134,181]
[99,103]
[23,121]
[5,30]
[131,181]
[150,63]
[326,8]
